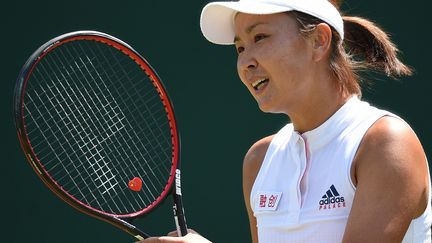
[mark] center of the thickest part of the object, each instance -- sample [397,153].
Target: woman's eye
[259,37]
[240,49]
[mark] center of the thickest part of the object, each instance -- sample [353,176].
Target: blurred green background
[218,119]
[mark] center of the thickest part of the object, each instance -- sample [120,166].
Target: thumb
[168,239]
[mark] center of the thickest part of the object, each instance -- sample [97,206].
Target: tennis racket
[96,124]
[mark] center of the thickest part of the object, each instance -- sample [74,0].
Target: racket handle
[178,209]
[180,220]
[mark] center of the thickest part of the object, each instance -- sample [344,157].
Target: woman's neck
[316,110]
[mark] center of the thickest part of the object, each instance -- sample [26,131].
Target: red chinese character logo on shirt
[263,201]
[272,201]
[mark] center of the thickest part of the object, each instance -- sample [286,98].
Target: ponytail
[365,47]
[367,42]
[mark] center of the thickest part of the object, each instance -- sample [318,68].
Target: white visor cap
[217,18]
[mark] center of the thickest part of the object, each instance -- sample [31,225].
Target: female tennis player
[342,170]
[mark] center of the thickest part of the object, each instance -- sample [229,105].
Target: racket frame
[123,222]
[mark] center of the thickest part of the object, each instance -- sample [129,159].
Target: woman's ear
[321,37]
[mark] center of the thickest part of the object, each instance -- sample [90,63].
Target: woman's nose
[246,62]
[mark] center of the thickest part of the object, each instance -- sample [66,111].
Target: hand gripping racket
[97,126]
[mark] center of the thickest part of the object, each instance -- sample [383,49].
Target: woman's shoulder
[255,156]
[251,165]
[390,131]
[390,162]
[391,144]
[256,153]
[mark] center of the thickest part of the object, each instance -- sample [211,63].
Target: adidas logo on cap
[332,199]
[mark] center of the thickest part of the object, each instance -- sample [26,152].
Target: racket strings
[150,129]
[77,157]
[95,136]
[95,171]
[149,108]
[122,94]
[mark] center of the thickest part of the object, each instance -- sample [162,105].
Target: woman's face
[274,60]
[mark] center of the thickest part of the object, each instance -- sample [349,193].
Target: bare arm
[390,173]
[251,165]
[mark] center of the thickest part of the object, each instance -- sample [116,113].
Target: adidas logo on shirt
[332,199]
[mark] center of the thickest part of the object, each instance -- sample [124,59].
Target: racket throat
[131,229]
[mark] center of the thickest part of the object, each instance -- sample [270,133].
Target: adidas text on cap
[217,18]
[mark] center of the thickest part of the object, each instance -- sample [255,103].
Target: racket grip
[180,220]
[179,216]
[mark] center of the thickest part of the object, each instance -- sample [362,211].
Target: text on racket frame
[177,182]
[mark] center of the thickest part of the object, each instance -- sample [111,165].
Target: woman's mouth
[259,83]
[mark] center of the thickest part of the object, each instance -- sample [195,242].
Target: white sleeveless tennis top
[303,191]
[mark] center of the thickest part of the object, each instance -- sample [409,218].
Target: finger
[149,240]
[169,239]
[175,233]
[162,239]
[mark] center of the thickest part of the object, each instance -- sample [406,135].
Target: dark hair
[365,47]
